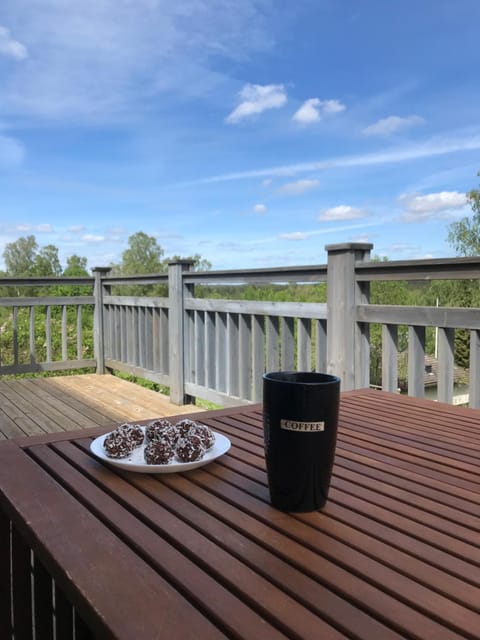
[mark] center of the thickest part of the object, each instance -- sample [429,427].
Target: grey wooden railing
[218,349]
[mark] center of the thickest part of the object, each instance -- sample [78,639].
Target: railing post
[347,341]
[176,329]
[98,325]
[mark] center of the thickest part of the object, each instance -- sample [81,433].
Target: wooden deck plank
[35,406]
[126,400]
[19,410]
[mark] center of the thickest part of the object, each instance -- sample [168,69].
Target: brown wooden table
[107,554]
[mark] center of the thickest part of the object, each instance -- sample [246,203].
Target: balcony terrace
[217,349]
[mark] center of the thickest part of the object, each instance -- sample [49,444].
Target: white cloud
[90,237]
[10,47]
[260,208]
[296,235]
[37,228]
[392,124]
[256,99]
[267,182]
[429,148]
[76,228]
[342,212]
[441,205]
[434,201]
[332,106]
[298,187]
[313,110]
[96,60]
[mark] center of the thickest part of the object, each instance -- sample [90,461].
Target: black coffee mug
[300,417]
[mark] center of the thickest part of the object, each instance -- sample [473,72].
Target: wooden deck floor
[47,405]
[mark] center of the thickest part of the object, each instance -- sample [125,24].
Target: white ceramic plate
[136,462]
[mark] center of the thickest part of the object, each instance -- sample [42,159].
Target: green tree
[19,257]
[46,262]
[144,255]
[76,266]
[464,235]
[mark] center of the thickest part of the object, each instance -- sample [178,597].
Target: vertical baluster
[273,345]
[233,354]
[288,348]
[199,346]
[416,361]
[32,335]
[210,347]
[79,333]
[389,357]
[165,339]
[64,333]
[15,335]
[220,351]
[320,345]
[48,333]
[474,391]
[304,344]
[245,355]
[445,364]
[258,356]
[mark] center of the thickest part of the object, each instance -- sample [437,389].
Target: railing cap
[101,269]
[349,246]
[187,262]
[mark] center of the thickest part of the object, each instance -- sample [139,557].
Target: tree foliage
[19,257]
[464,235]
[144,255]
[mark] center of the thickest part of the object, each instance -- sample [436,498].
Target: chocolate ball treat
[189,448]
[134,432]
[205,434]
[184,426]
[159,452]
[172,435]
[118,444]
[157,428]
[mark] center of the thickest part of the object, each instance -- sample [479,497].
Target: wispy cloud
[314,109]
[114,59]
[10,47]
[31,228]
[256,99]
[11,152]
[429,148]
[304,235]
[25,227]
[342,212]
[260,208]
[90,237]
[392,124]
[441,205]
[296,235]
[298,187]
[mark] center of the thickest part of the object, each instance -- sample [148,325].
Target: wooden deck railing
[218,349]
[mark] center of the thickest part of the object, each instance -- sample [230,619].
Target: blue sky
[253,132]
